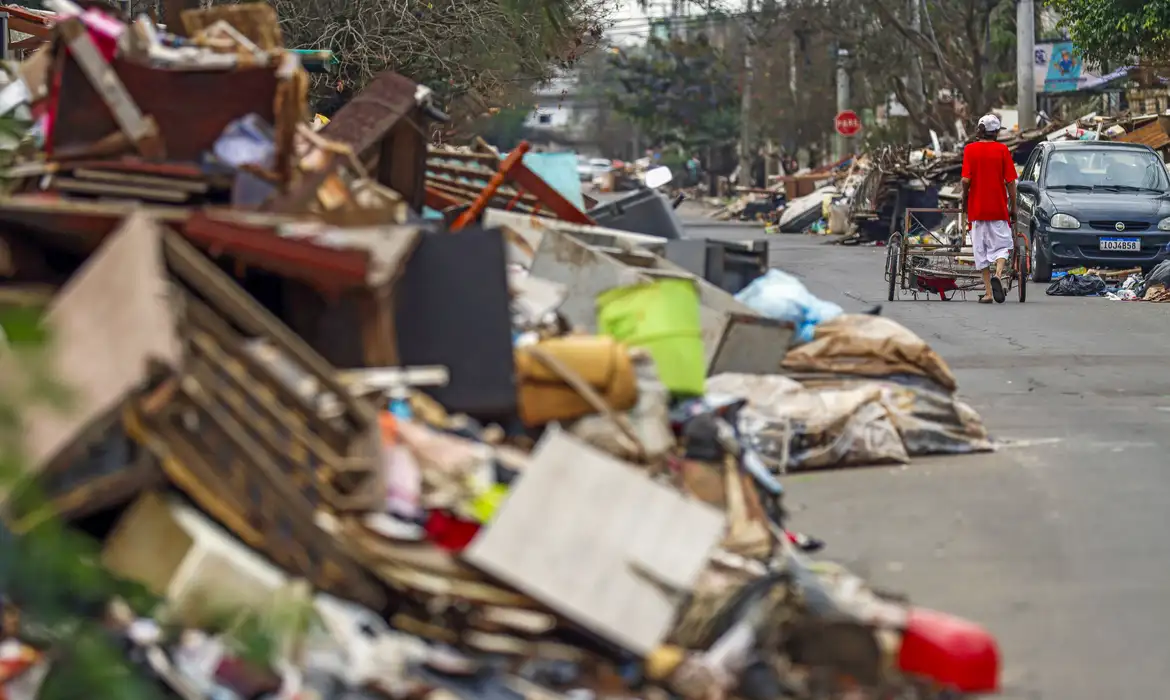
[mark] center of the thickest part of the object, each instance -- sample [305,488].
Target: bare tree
[473,51]
[952,42]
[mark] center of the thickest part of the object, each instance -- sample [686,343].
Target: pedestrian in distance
[989,202]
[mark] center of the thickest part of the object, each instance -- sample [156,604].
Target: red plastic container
[954,653]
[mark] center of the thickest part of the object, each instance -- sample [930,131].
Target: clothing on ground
[988,165]
[992,240]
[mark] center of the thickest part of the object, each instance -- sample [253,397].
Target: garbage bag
[780,296]
[1159,276]
[870,346]
[1076,286]
[795,428]
[930,419]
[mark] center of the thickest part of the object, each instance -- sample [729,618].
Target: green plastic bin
[663,317]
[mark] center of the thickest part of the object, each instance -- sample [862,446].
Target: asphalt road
[1060,541]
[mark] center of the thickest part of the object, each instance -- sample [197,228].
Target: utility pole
[792,82]
[840,142]
[745,110]
[1025,59]
[915,87]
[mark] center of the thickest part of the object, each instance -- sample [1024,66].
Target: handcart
[921,261]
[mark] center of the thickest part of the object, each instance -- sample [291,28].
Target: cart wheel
[1022,270]
[893,263]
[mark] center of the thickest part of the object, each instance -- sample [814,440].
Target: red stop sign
[847,123]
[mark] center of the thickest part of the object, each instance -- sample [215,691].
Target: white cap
[990,123]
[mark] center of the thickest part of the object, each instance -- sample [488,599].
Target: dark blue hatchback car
[1094,203]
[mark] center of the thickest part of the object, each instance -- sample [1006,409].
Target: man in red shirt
[989,200]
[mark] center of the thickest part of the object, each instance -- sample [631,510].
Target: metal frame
[908,265]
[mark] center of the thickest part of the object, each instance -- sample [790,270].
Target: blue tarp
[560,171]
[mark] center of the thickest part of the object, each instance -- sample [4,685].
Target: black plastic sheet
[1076,286]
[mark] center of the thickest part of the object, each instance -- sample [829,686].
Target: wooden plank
[598,541]
[187,171]
[110,322]
[26,44]
[222,293]
[129,178]
[106,189]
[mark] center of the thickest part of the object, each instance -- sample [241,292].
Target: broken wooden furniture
[84,117]
[179,184]
[38,24]
[478,179]
[386,126]
[239,413]
[336,295]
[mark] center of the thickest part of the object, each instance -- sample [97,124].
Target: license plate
[1131,244]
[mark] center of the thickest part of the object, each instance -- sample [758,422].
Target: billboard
[1057,67]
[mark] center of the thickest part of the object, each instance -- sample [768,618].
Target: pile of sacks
[859,389]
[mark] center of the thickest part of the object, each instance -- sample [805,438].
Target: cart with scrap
[926,262]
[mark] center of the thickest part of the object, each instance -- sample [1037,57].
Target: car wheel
[1041,263]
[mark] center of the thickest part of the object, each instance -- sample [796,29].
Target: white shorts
[992,240]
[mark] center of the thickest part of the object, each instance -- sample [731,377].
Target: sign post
[847,123]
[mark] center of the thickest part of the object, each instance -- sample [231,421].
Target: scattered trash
[1076,286]
[358,417]
[1158,277]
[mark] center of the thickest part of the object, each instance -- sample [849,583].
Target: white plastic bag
[780,296]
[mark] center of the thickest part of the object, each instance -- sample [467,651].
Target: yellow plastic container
[662,317]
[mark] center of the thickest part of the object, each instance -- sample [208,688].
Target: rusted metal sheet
[1152,135]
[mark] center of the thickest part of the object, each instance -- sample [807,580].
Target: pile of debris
[891,180]
[1130,284]
[500,453]
[867,196]
[785,205]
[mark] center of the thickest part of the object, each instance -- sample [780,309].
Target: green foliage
[678,92]
[1117,31]
[51,571]
[504,129]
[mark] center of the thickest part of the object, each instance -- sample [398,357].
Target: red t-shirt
[988,165]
